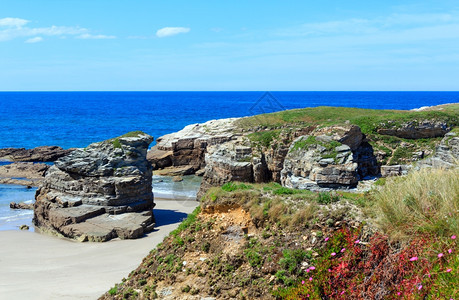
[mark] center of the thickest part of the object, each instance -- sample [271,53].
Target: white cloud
[13,22]
[169,31]
[34,40]
[87,36]
[13,28]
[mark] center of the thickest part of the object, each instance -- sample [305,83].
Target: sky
[149,45]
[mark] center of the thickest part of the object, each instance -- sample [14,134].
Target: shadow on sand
[168,216]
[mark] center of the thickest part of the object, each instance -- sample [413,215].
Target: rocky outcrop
[99,192]
[21,205]
[43,153]
[227,162]
[395,170]
[329,157]
[187,147]
[446,155]
[334,157]
[415,129]
[24,173]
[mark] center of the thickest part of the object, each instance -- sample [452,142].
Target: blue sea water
[11,219]
[76,119]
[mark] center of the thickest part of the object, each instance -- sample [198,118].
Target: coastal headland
[311,204]
[282,196]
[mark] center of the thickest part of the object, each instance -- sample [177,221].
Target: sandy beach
[36,266]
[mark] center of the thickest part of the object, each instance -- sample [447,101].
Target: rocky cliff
[312,148]
[99,192]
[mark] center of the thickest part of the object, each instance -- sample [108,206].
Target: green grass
[232,186]
[264,138]
[116,141]
[424,201]
[369,120]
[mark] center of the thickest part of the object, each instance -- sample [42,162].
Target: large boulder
[99,192]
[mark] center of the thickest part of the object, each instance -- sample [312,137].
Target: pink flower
[312,268]
[450,251]
[448,270]
[440,255]
[414,258]
[342,250]
[333,254]
[356,242]
[419,286]
[342,292]
[302,282]
[453,237]
[398,293]
[310,278]
[329,270]
[307,270]
[326,239]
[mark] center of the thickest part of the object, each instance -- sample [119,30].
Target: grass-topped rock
[262,148]
[100,192]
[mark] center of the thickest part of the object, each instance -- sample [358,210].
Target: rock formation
[184,150]
[23,173]
[334,157]
[99,192]
[446,154]
[21,205]
[416,129]
[329,157]
[273,147]
[43,153]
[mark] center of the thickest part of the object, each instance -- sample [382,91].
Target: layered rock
[99,192]
[23,173]
[227,162]
[334,157]
[186,148]
[330,157]
[446,154]
[43,153]
[415,129]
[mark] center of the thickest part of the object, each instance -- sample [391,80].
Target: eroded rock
[42,153]
[104,180]
[188,146]
[21,205]
[416,129]
[23,173]
[446,154]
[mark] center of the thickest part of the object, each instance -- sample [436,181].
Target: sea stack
[100,192]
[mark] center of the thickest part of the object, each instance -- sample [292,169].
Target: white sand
[35,266]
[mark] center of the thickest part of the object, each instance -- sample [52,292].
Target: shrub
[327,198]
[232,186]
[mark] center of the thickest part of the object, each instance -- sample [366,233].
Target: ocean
[76,119]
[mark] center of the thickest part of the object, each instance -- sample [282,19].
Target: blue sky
[84,45]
